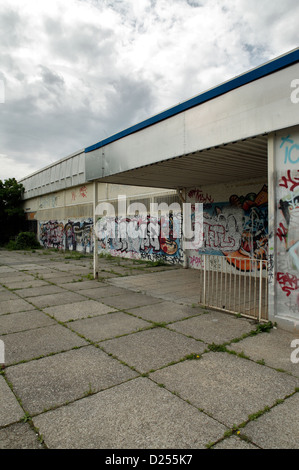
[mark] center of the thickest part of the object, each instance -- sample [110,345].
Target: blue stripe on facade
[262,71]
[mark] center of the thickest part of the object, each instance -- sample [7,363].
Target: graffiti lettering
[239,227]
[271,268]
[143,236]
[282,232]
[289,150]
[196,261]
[219,236]
[83,191]
[288,282]
[289,182]
[200,197]
[70,235]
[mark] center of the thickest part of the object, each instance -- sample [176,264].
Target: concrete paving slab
[103,292]
[30,267]
[152,349]
[277,429]
[227,387]
[234,442]
[6,269]
[82,285]
[12,306]
[214,327]
[19,436]
[31,344]
[38,291]
[274,348]
[25,284]
[55,274]
[52,273]
[11,410]
[50,300]
[58,280]
[15,322]
[130,300]
[106,274]
[167,312]
[55,380]
[76,310]
[107,326]
[15,278]
[134,415]
[7,295]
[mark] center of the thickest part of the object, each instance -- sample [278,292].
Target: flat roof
[261,71]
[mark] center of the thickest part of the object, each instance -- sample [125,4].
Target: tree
[12,215]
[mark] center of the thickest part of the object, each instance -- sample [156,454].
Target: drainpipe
[183,200]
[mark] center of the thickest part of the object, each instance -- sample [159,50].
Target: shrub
[24,241]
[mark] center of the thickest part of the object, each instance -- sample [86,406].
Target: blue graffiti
[288,150]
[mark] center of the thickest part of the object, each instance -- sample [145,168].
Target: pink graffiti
[288,282]
[195,261]
[288,180]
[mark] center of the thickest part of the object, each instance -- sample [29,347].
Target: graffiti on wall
[142,237]
[287,230]
[70,235]
[150,242]
[236,229]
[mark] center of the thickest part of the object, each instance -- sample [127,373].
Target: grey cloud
[11,29]
[61,130]
[80,42]
[51,78]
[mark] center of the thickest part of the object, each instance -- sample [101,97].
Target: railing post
[204,279]
[260,290]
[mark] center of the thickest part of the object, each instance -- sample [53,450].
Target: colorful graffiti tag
[142,237]
[287,230]
[237,229]
[148,243]
[70,235]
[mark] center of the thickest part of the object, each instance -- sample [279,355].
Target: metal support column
[95,238]
[271,228]
[183,237]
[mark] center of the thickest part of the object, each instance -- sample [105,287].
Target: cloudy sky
[77,71]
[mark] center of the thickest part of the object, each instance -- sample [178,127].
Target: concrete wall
[235,220]
[65,221]
[284,221]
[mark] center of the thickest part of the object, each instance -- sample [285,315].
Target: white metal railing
[236,285]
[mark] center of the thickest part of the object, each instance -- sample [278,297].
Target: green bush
[24,241]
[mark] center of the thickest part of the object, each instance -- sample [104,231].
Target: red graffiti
[288,282]
[282,232]
[288,180]
[83,191]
